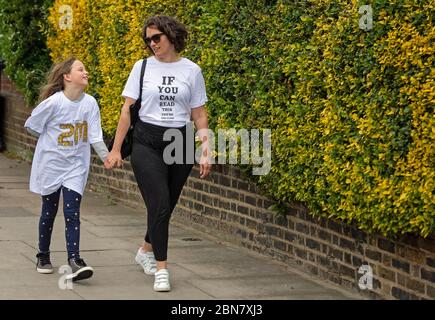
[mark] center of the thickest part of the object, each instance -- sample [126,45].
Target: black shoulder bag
[127,144]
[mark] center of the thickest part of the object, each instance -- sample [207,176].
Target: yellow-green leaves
[351,110]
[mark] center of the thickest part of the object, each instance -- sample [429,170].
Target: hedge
[351,110]
[23,44]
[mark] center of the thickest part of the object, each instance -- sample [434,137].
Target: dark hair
[174,30]
[55,78]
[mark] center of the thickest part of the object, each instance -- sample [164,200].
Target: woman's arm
[200,118]
[114,156]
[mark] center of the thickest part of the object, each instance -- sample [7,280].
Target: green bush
[351,111]
[23,44]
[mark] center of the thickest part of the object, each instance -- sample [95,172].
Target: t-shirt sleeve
[131,89]
[95,131]
[199,96]
[40,116]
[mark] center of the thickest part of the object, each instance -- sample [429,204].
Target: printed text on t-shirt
[167,97]
[79,130]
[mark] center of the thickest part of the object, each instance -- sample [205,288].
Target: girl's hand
[107,165]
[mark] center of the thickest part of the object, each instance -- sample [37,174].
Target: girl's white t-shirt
[62,155]
[170,91]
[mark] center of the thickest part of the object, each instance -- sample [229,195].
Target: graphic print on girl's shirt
[67,129]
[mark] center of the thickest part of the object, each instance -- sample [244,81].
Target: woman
[173,94]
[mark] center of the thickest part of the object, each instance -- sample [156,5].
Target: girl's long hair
[55,78]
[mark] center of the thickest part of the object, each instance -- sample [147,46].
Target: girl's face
[159,43]
[78,75]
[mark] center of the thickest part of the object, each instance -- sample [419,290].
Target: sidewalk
[200,267]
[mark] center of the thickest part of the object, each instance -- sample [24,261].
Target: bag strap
[142,73]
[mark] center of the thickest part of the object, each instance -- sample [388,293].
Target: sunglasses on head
[155,38]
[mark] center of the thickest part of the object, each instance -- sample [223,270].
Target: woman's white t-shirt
[170,91]
[62,155]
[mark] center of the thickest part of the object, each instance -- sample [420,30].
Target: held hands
[113,160]
[107,165]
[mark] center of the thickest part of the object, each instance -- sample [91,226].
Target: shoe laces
[80,262]
[43,258]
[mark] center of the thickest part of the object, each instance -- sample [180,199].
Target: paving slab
[201,267]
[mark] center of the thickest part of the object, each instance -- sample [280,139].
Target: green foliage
[351,111]
[22,44]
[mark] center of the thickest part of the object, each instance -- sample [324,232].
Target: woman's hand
[199,116]
[204,166]
[114,159]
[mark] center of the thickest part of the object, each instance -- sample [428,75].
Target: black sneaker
[79,269]
[43,263]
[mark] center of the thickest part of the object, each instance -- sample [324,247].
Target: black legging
[160,184]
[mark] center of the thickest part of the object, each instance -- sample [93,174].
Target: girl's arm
[114,156]
[33,132]
[40,116]
[101,150]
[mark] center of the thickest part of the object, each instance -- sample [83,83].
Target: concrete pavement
[201,267]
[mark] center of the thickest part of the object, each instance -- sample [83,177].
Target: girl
[67,122]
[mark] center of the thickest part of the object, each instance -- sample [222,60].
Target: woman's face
[159,43]
[78,75]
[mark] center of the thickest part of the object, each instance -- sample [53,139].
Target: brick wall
[15,114]
[229,207]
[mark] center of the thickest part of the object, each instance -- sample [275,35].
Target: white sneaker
[161,282]
[147,261]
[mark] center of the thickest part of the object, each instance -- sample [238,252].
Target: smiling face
[78,75]
[159,43]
